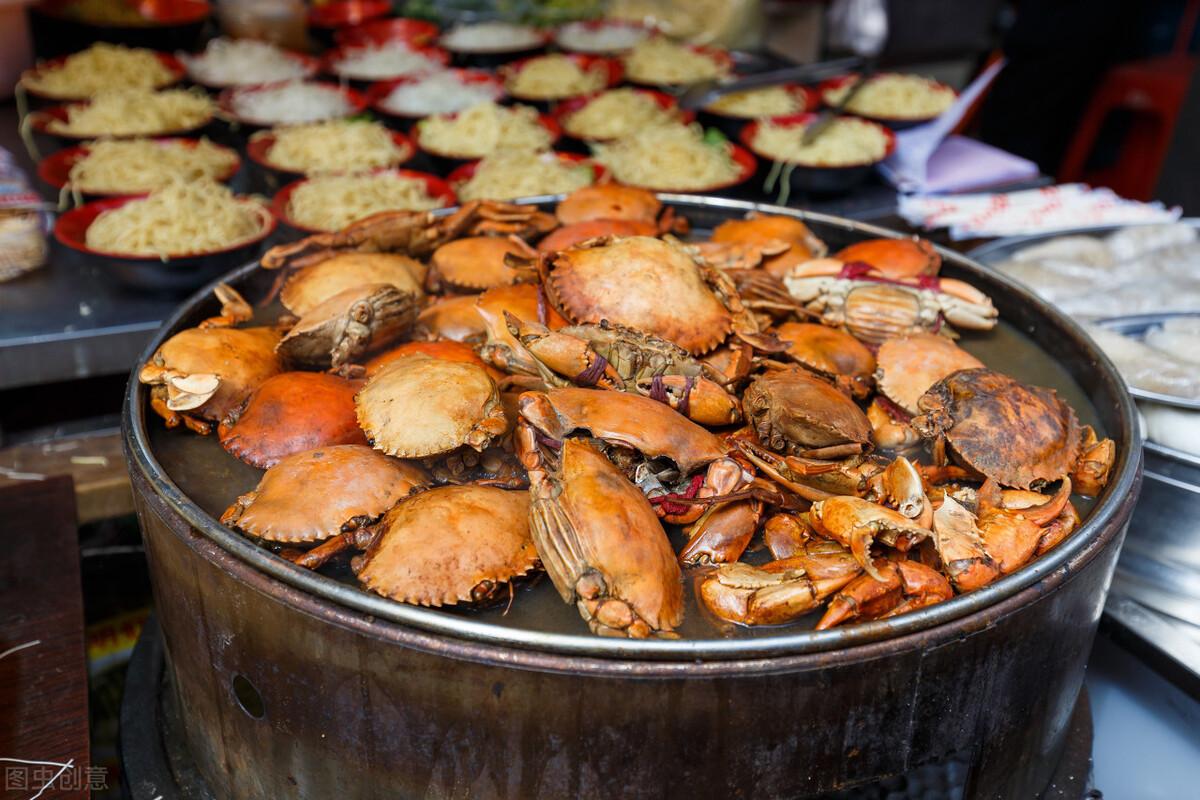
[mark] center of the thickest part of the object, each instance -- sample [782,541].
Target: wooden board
[43,671]
[96,463]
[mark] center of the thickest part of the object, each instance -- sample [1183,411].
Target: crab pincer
[891,588]
[856,524]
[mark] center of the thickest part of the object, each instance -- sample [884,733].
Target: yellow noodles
[334,146]
[99,68]
[136,166]
[616,113]
[483,129]
[332,202]
[896,96]
[846,142]
[135,112]
[521,173]
[184,218]
[668,157]
[554,77]
[660,61]
[770,101]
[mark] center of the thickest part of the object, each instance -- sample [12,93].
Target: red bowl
[434,186]
[259,147]
[331,58]
[721,57]
[896,123]
[414,31]
[548,122]
[612,73]
[344,13]
[169,61]
[311,65]
[568,107]
[39,119]
[160,13]
[595,25]
[178,273]
[358,101]
[464,173]
[380,90]
[55,169]
[746,137]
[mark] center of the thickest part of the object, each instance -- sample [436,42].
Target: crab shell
[1018,435]
[292,412]
[349,325]
[450,544]
[444,349]
[909,365]
[419,406]
[315,494]
[895,258]
[629,420]
[643,283]
[579,232]
[454,318]
[608,201]
[311,286]
[829,351]
[478,262]
[239,358]
[603,546]
[759,229]
[792,412]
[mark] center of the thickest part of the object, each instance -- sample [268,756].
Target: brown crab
[418,407]
[314,495]
[608,201]
[444,546]
[455,318]
[909,365]
[289,413]
[796,413]
[1021,436]
[578,232]
[349,325]
[895,258]
[765,229]
[313,285]
[831,353]
[652,285]
[477,263]
[201,375]
[599,539]
[445,349]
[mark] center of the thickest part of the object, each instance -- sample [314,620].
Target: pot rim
[966,610]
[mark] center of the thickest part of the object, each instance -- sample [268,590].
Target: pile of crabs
[457,403]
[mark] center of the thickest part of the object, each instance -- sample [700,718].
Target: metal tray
[1035,342]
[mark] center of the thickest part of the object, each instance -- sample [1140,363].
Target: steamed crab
[763,230]
[524,301]
[897,259]
[831,353]
[314,495]
[289,413]
[796,413]
[349,325]
[477,263]
[307,288]
[454,317]
[443,546]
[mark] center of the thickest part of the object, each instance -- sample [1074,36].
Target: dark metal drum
[292,684]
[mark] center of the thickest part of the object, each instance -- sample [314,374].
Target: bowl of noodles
[732,111]
[125,167]
[659,61]
[331,202]
[611,114]
[289,103]
[677,158]
[893,99]
[840,159]
[246,62]
[403,101]
[329,147]
[509,174]
[557,76]
[101,67]
[417,32]
[174,239]
[124,114]
[366,62]
[452,139]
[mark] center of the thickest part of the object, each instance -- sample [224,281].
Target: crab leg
[901,586]
[887,432]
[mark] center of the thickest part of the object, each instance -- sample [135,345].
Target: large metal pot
[292,684]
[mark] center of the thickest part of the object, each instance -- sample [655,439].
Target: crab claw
[563,354]
[960,546]
[856,523]
[697,398]
[1091,470]
[888,432]
[892,588]
[186,392]
[721,534]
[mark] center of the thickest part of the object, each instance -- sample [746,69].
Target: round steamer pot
[294,684]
